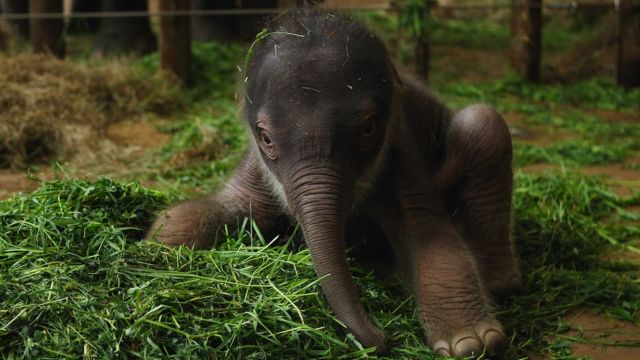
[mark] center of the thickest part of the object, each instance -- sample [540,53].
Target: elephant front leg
[197,223]
[452,302]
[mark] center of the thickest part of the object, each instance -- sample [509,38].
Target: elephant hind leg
[478,179]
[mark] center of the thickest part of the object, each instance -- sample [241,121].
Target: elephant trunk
[319,198]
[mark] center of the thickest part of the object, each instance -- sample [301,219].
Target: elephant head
[318,105]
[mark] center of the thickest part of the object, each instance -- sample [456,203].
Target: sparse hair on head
[321,37]
[320,27]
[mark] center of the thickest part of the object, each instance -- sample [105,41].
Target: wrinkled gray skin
[342,144]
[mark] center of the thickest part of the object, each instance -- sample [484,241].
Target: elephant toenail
[442,348]
[468,346]
[495,341]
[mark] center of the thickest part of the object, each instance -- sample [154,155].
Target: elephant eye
[368,134]
[264,137]
[265,141]
[369,129]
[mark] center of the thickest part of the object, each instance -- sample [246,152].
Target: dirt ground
[13,181]
[606,338]
[125,143]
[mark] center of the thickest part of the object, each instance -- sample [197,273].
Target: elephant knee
[481,134]
[186,224]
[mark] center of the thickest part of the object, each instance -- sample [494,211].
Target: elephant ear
[396,74]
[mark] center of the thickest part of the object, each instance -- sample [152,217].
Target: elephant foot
[486,337]
[502,282]
[187,224]
[454,304]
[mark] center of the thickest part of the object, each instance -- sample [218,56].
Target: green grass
[474,34]
[575,153]
[591,93]
[75,279]
[559,34]
[215,64]
[584,124]
[210,140]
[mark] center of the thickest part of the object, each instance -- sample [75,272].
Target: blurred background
[147,91]
[544,40]
[75,72]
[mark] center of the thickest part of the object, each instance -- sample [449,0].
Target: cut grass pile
[76,281]
[52,109]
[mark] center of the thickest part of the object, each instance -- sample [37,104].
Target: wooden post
[47,35]
[175,40]
[421,57]
[124,35]
[526,38]
[207,28]
[414,20]
[19,27]
[84,25]
[5,36]
[421,53]
[628,67]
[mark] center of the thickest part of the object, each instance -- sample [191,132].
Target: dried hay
[55,110]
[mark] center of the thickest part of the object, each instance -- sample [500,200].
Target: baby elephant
[339,135]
